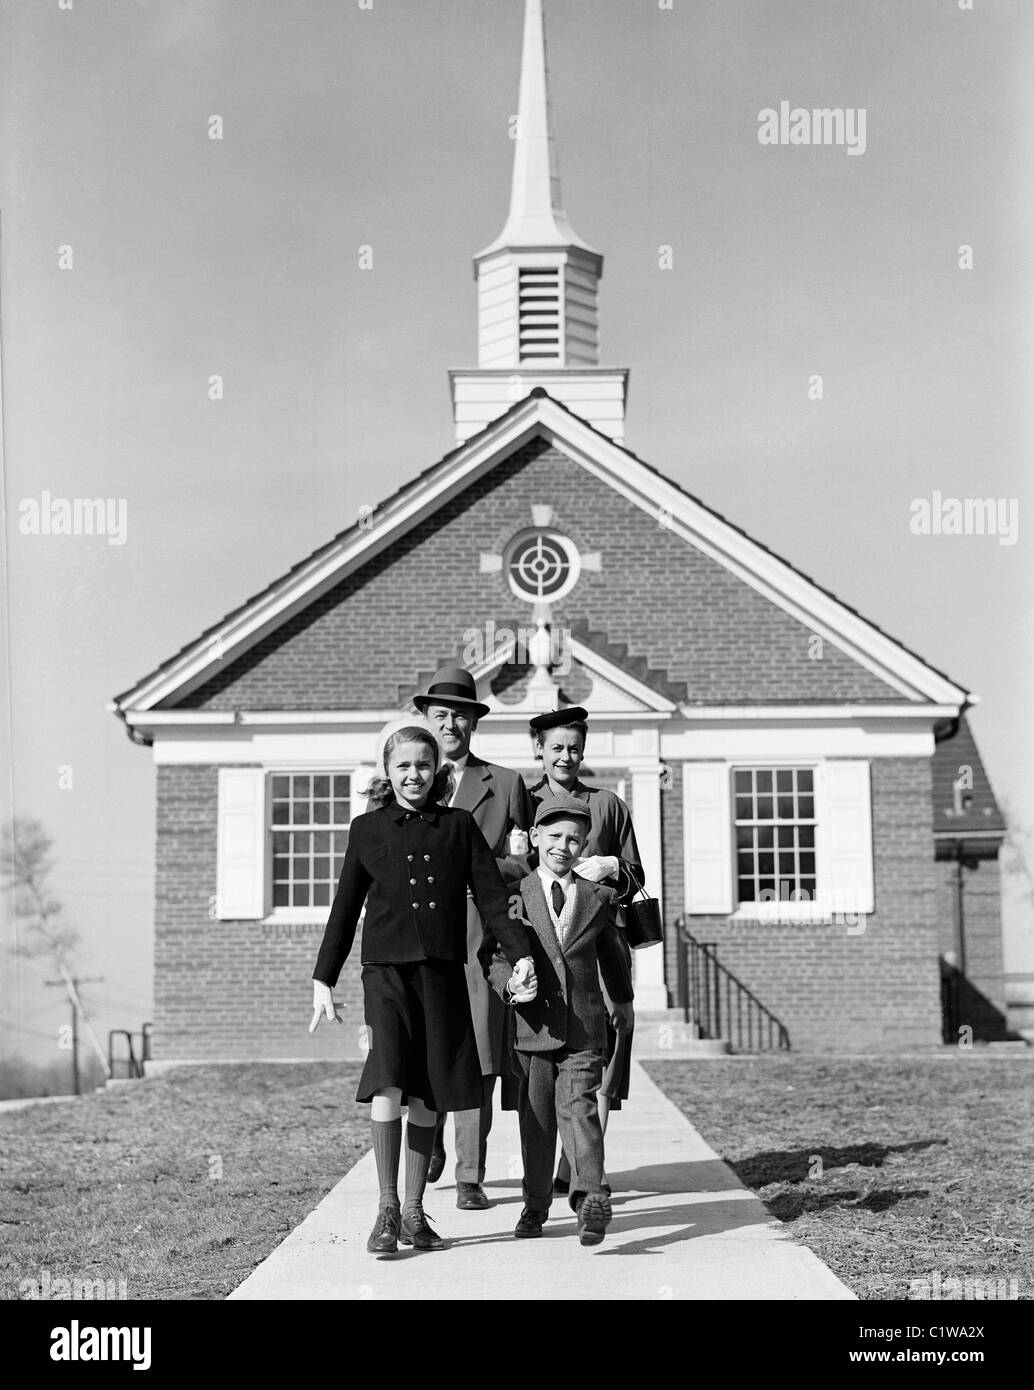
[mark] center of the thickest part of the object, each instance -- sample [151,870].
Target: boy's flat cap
[562,806]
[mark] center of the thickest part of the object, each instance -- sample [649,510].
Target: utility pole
[71,985]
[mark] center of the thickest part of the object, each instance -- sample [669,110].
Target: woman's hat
[452,685]
[570,714]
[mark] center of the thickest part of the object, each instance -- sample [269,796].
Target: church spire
[536,216]
[538,283]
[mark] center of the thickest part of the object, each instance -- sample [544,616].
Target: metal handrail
[740,1016]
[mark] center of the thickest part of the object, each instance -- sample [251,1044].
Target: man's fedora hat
[452,685]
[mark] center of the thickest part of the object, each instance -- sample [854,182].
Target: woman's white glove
[519,842]
[323,1005]
[597,867]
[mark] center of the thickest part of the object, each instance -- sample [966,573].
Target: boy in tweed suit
[561,1033]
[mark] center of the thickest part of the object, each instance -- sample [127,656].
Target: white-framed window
[761,846]
[774,813]
[282,832]
[310,813]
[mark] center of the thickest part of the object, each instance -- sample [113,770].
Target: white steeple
[537,283]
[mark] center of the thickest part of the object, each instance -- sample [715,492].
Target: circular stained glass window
[542,565]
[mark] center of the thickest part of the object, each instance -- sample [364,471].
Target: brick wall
[833,991]
[230,990]
[365,642]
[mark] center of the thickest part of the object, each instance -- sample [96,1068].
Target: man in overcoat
[500,803]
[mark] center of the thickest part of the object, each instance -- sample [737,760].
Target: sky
[387,125]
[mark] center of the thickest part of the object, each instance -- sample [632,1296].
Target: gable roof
[536,415]
[975,812]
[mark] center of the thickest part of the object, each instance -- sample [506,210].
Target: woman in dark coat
[611,856]
[411,861]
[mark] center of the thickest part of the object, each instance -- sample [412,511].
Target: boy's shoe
[470,1196]
[530,1224]
[593,1217]
[416,1231]
[384,1238]
[437,1165]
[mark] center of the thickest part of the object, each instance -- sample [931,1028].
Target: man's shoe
[416,1231]
[530,1224]
[470,1196]
[437,1164]
[384,1238]
[593,1217]
[561,1186]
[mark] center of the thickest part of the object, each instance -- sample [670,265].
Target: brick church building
[807,796]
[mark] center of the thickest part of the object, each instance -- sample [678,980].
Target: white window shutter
[844,840]
[241,858]
[707,832]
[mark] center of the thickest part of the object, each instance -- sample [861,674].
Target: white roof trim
[536,416]
[587,657]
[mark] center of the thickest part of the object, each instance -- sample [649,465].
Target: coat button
[415,906]
[412,880]
[430,904]
[430,878]
[427,859]
[410,858]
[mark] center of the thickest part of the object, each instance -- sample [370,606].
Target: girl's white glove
[519,841]
[323,1005]
[523,984]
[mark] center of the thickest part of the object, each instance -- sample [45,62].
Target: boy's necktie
[557,894]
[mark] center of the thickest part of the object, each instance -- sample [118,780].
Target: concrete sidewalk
[684,1228]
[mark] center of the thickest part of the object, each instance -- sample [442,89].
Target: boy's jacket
[568,1010]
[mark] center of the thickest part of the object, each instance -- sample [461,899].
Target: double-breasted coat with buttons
[413,870]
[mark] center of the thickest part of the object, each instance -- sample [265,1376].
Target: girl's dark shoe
[416,1231]
[384,1238]
[593,1217]
[437,1164]
[530,1224]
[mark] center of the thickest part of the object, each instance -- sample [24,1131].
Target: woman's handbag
[643,926]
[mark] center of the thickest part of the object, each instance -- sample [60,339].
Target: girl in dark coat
[410,861]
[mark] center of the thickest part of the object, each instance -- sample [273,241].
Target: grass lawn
[890,1169]
[180,1184]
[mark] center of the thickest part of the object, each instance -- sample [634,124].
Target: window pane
[321,868]
[280,894]
[766,863]
[301,813]
[281,868]
[744,808]
[744,863]
[744,837]
[764,808]
[300,787]
[338,864]
[806,836]
[301,895]
[804,779]
[281,843]
[342,785]
[766,886]
[742,781]
[340,812]
[321,812]
[321,841]
[321,895]
[766,834]
[786,864]
[785,808]
[281,812]
[764,777]
[784,780]
[808,884]
[807,863]
[321,786]
[807,808]
[746,890]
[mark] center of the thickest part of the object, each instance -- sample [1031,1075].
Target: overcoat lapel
[475,784]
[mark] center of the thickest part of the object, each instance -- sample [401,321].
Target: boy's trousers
[558,1091]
